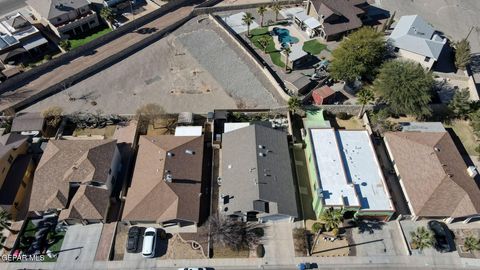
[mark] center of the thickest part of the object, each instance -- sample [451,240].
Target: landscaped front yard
[262,33]
[86,37]
[54,240]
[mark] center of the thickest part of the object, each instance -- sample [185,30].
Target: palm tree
[422,238]
[331,218]
[107,14]
[293,103]
[248,20]
[276,8]
[365,96]
[471,243]
[261,10]
[286,51]
[5,222]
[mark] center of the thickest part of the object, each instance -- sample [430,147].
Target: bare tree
[148,114]
[53,116]
[234,233]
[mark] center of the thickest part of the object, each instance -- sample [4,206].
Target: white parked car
[149,242]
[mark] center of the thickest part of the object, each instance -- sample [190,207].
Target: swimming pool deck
[297,51]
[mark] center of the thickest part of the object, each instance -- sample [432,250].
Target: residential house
[256,180]
[344,172]
[18,38]
[337,17]
[167,181]
[434,178]
[66,18]
[415,39]
[16,171]
[74,179]
[29,123]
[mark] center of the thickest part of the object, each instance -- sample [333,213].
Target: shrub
[343,116]
[317,226]
[335,232]
[260,251]
[47,57]
[259,232]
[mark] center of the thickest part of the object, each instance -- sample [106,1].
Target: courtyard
[176,73]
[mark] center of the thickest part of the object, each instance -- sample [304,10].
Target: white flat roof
[188,131]
[363,169]
[348,169]
[236,23]
[332,175]
[229,127]
[311,23]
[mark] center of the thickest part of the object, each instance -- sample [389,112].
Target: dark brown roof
[66,161]
[348,12]
[88,203]
[434,175]
[151,198]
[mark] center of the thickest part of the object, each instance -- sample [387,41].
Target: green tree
[365,96]
[475,121]
[261,11]
[358,55]
[331,218]
[294,104]
[460,105]
[422,238]
[106,13]
[5,221]
[462,53]
[406,87]
[248,20]
[286,50]
[276,8]
[65,44]
[263,41]
[471,243]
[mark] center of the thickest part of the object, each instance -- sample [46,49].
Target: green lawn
[85,38]
[29,232]
[256,34]
[313,47]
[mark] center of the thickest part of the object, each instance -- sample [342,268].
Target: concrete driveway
[279,242]
[79,245]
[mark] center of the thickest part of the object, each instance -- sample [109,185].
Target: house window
[10,159]
[427,59]
[396,49]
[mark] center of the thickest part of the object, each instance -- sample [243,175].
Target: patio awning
[311,23]
[34,42]
[301,16]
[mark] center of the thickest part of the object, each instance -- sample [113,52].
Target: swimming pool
[284,36]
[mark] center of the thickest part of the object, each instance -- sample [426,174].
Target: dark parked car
[134,235]
[443,236]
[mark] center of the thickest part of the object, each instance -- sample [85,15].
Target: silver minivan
[149,242]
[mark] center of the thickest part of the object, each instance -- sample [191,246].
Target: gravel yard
[196,68]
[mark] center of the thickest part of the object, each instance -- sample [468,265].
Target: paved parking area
[79,245]
[279,242]
[377,239]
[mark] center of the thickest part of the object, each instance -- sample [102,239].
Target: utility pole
[469,32]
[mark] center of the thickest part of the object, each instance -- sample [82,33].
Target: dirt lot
[196,68]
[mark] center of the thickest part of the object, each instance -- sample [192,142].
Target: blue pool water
[284,36]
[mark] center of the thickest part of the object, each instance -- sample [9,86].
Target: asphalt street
[7,6]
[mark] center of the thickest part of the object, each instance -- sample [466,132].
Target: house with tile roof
[256,180]
[74,179]
[415,39]
[16,172]
[337,17]
[433,175]
[167,181]
[66,18]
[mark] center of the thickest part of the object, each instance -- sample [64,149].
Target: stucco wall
[417,58]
